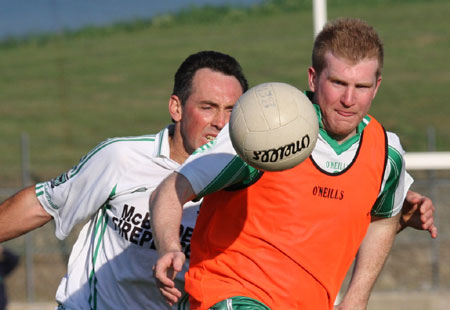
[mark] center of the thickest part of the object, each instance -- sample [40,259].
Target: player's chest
[128,210]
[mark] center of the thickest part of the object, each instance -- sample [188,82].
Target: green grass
[71,91]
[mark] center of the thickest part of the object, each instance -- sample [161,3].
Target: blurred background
[75,72]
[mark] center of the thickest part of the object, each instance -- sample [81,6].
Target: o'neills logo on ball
[274,155]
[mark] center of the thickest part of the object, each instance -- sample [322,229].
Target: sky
[24,17]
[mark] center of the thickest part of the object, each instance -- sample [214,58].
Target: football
[273,126]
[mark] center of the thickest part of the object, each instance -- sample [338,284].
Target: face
[206,111]
[344,91]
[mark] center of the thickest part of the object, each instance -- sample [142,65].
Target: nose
[348,95]
[221,118]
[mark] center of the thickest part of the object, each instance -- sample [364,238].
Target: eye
[337,82]
[363,86]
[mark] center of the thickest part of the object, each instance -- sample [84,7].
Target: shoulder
[395,181]
[394,141]
[213,166]
[116,152]
[395,149]
[395,162]
[120,147]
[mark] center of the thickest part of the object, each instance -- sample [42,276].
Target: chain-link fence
[417,263]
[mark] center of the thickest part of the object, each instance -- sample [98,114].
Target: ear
[376,87]
[175,108]
[312,76]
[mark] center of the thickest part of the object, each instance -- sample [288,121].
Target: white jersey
[110,266]
[213,173]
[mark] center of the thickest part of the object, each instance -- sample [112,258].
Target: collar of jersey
[338,148]
[163,149]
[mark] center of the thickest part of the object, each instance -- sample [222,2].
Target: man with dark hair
[281,240]
[205,59]
[110,266]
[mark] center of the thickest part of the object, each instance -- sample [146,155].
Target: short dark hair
[349,38]
[205,59]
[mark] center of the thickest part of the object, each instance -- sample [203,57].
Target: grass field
[70,92]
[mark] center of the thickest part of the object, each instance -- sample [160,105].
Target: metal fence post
[26,181]
[435,244]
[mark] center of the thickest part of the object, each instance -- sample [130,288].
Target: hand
[165,270]
[418,212]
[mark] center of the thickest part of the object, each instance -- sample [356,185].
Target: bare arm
[166,208]
[20,214]
[370,259]
[418,212]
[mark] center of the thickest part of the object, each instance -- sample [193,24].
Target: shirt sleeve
[396,182]
[216,166]
[80,192]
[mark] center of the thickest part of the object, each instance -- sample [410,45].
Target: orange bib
[289,239]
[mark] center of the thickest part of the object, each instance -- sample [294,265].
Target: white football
[273,126]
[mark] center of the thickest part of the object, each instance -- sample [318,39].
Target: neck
[177,151]
[342,138]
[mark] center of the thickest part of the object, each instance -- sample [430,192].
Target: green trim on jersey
[64,177]
[113,192]
[104,144]
[205,147]
[344,146]
[39,188]
[99,231]
[383,207]
[161,134]
[338,148]
[237,172]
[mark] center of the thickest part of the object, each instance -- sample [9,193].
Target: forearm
[21,213]
[166,208]
[369,262]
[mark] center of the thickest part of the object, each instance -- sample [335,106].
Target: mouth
[345,114]
[210,138]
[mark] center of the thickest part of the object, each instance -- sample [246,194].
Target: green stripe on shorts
[183,304]
[239,303]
